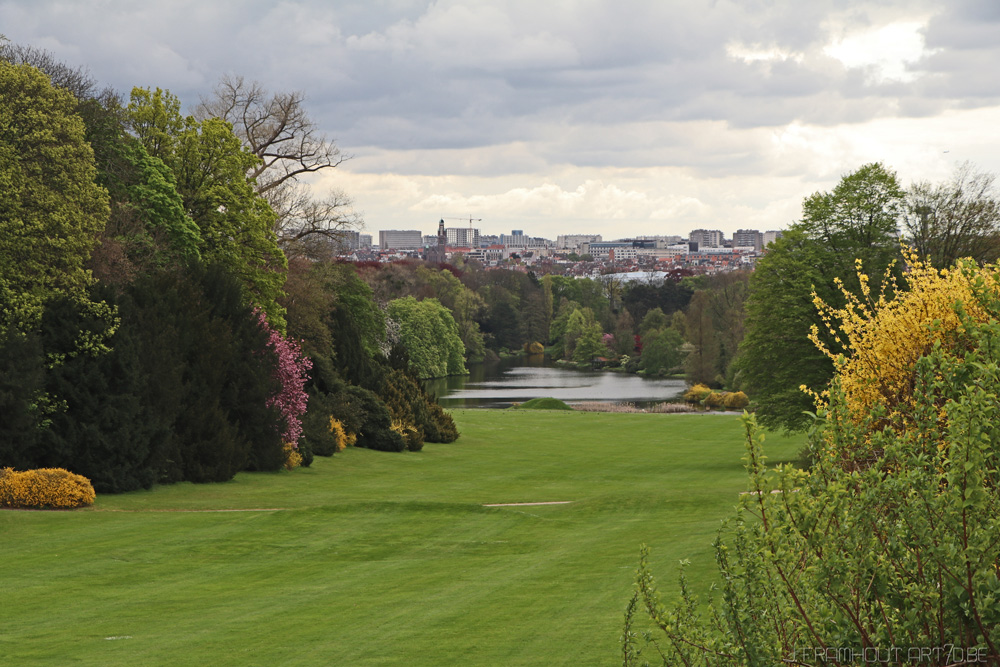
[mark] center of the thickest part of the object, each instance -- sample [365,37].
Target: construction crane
[470,219]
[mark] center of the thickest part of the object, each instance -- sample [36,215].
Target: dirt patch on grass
[549,502]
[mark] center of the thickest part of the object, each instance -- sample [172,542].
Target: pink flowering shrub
[293,367]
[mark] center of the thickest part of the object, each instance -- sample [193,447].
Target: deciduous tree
[277,129]
[956,219]
[857,221]
[51,208]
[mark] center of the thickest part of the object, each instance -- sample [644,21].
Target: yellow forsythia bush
[292,457]
[736,400]
[885,337]
[697,393]
[340,435]
[44,488]
[716,399]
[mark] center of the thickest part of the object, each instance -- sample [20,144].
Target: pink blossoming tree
[292,373]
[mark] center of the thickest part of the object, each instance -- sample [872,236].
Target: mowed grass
[383,559]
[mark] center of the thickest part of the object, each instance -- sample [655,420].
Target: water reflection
[517,380]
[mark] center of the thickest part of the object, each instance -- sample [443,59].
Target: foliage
[653,319]
[960,218]
[361,412]
[661,351]
[410,434]
[884,338]
[430,336]
[440,427]
[701,365]
[465,306]
[292,373]
[22,396]
[292,457]
[340,437]
[889,540]
[582,339]
[542,404]
[277,129]
[210,166]
[51,208]
[53,488]
[100,424]
[589,344]
[735,400]
[668,297]
[857,221]
[697,393]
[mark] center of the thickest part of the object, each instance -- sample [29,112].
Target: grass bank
[382,559]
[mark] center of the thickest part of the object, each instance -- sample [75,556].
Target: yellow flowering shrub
[715,399]
[44,488]
[697,393]
[293,459]
[885,337]
[341,436]
[736,400]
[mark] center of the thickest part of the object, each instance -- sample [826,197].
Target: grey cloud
[449,75]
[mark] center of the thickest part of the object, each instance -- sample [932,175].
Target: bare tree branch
[277,129]
[959,218]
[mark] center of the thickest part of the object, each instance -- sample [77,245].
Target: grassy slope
[382,559]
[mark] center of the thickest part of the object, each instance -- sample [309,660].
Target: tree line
[168,310]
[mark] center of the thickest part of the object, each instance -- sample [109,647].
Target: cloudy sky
[618,118]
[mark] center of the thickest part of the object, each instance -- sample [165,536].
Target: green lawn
[383,559]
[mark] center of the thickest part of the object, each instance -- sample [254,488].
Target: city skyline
[648,118]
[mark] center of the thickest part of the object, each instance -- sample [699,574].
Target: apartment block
[394,239]
[748,238]
[707,238]
[462,237]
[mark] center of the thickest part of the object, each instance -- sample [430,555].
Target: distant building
[707,238]
[770,237]
[394,239]
[661,241]
[517,241]
[619,250]
[349,240]
[365,241]
[438,251]
[748,238]
[463,237]
[576,241]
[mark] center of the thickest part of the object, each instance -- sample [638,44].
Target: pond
[509,381]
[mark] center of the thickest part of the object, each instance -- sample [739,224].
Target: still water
[518,380]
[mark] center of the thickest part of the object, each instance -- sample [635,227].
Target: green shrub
[542,404]
[439,427]
[44,488]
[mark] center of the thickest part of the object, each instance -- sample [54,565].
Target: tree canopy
[429,334]
[856,222]
[51,208]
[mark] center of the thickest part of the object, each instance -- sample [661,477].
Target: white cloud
[886,53]
[752,53]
